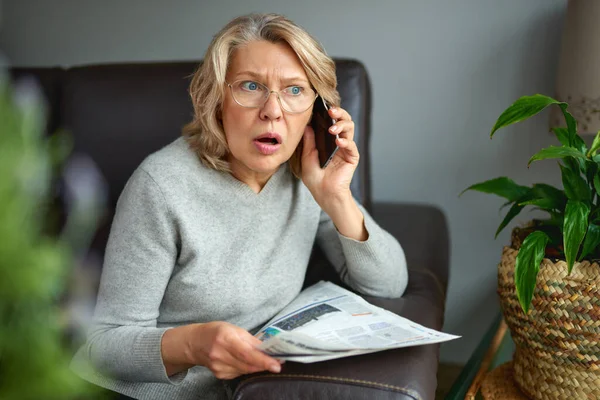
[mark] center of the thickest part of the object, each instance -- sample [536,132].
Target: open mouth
[268,140]
[268,143]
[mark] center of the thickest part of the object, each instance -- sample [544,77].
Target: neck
[255,180]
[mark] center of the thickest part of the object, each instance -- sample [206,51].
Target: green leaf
[544,190]
[576,188]
[513,212]
[595,145]
[591,241]
[60,146]
[574,229]
[522,109]
[544,196]
[572,164]
[543,204]
[555,221]
[503,187]
[574,140]
[597,183]
[568,137]
[558,219]
[591,170]
[582,164]
[562,134]
[579,144]
[556,152]
[527,266]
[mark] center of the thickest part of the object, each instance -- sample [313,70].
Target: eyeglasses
[293,99]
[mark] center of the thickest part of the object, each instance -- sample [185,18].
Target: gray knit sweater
[189,244]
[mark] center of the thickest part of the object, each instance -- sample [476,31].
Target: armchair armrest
[422,231]
[407,373]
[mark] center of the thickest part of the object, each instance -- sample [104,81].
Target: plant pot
[558,343]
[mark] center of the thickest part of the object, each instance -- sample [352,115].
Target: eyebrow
[260,77]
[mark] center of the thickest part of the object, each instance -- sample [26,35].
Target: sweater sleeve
[124,341]
[375,267]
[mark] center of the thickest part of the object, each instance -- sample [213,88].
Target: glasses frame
[269,92]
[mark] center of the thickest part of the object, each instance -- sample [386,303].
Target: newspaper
[326,321]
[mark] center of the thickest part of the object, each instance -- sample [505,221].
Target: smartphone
[325,141]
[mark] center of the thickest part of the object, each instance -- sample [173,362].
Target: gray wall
[442,72]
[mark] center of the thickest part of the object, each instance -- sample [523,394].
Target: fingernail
[334,128]
[275,368]
[333,110]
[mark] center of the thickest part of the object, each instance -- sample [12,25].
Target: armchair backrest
[120,113]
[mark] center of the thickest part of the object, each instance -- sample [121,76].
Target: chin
[267,164]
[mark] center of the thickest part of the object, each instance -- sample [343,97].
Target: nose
[272,107]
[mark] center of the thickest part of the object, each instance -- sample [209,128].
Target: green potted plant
[549,278]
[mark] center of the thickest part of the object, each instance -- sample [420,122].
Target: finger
[228,367]
[255,342]
[343,128]
[339,113]
[239,350]
[251,355]
[349,151]
[252,340]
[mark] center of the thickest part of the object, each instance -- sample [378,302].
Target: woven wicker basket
[558,342]
[499,384]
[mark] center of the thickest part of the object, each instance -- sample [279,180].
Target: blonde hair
[205,134]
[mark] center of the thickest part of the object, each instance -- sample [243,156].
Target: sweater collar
[275,183]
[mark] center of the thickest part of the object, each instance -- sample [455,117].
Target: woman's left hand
[331,185]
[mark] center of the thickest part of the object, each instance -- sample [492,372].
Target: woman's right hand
[227,350]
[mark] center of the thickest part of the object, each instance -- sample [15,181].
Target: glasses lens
[295,98]
[249,93]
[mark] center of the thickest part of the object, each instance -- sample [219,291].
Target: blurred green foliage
[34,358]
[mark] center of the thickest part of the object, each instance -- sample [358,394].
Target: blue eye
[249,85]
[295,90]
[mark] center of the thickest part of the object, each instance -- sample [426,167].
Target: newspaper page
[326,321]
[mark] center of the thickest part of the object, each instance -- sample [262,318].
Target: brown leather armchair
[120,113]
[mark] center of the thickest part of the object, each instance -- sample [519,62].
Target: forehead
[267,60]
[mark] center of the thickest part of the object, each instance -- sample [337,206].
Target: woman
[212,234]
